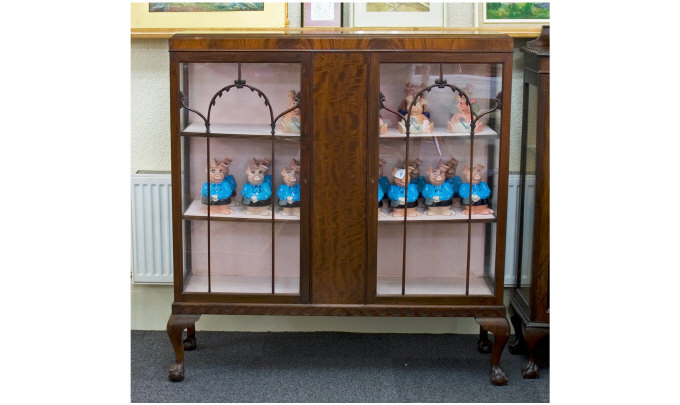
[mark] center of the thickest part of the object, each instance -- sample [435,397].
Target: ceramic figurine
[381,196]
[218,192]
[289,192]
[454,180]
[266,162]
[462,117]
[382,126]
[290,122]
[257,192]
[420,123]
[411,90]
[480,191]
[416,178]
[437,194]
[383,181]
[397,193]
[383,186]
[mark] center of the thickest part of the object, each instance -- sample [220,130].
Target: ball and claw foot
[530,370]
[498,376]
[516,347]
[190,343]
[484,346]
[176,372]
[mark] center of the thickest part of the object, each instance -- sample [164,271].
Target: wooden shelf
[197,211]
[486,132]
[235,131]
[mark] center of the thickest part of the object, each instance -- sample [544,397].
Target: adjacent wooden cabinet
[530,306]
[330,112]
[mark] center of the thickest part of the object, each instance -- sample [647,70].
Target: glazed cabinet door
[528,191]
[534,248]
[438,177]
[239,167]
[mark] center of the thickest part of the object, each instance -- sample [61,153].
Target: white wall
[150,149]
[150,105]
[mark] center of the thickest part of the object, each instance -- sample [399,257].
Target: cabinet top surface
[389,40]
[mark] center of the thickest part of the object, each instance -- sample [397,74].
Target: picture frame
[393,15]
[509,24]
[321,14]
[144,22]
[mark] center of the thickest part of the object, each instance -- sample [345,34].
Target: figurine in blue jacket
[399,200]
[454,180]
[218,191]
[383,181]
[383,186]
[474,192]
[257,193]
[289,192]
[416,178]
[437,194]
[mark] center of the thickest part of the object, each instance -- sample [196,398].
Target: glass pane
[482,258]
[529,189]
[193,149]
[436,258]
[240,257]
[287,260]
[390,257]
[243,110]
[183,87]
[485,161]
[249,243]
[287,200]
[195,236]
[429,254]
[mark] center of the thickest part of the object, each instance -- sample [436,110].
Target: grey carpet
[327,367]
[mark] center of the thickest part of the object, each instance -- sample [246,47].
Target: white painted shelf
[198,210]
[262,130]
[393,133]
[423,217]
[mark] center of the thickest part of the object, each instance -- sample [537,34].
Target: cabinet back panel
[338,229]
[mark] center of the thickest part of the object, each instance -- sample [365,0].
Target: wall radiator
[152,227]
[151,195]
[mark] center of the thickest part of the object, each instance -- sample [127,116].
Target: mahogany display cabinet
[307,136]
[529,305]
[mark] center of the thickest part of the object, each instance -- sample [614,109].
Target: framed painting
[176,17]
[513,16]
[392,15]
[322,14]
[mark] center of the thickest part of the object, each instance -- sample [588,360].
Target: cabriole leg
[517,345]
[483,343]
[501,330]
[532,336]
[190,341]
[176,325]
